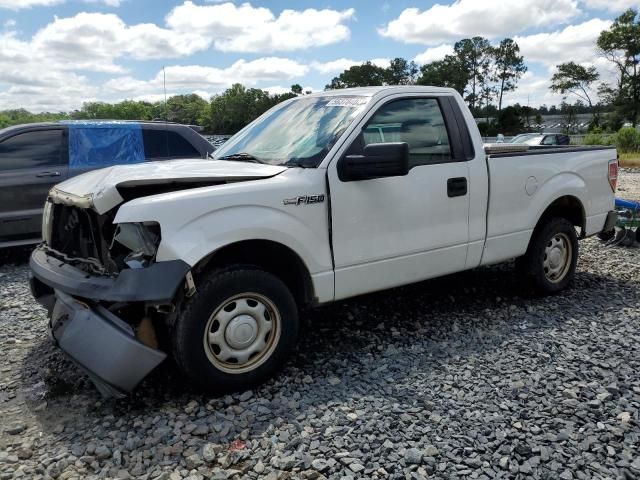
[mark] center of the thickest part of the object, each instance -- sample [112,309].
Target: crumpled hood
[98,189]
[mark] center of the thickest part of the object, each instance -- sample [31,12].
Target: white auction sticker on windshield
[348,102]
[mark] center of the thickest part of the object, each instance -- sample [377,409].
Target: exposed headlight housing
[47,221]
[142,239]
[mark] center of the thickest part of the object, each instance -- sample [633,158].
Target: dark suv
[35,157]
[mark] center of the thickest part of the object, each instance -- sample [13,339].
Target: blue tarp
[102,144]
[620,203]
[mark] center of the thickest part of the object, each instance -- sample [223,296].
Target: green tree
[475,54]
[620,45]
[296,88]
[448,72]
[237,106]
[20,116]
[125,110]
[525,114]
[509,67]
[5,121]
[574,78]
[188,109]
[401,72]
[627,140]
[568,113]
[510,120]
[364,75]
[487,93]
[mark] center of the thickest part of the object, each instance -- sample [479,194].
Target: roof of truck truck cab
[387,89]
[92,124]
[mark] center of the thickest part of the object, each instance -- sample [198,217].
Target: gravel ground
[462,377]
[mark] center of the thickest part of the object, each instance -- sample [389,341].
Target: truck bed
[523,184]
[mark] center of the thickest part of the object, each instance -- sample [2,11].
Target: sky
[57,54]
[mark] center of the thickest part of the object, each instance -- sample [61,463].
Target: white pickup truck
[324,197]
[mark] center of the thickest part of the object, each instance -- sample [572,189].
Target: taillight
[613,174]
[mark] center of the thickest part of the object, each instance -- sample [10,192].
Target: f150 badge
[304,200]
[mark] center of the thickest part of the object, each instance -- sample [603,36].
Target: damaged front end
[105,292]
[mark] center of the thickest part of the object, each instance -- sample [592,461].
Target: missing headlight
[141,239]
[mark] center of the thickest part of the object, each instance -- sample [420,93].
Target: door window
[179,147]
[418,122]
[549,140]
[155,143]
[167,143]
[41,148]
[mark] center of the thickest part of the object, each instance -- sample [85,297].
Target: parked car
[34,157]
[554,139]
[324,197]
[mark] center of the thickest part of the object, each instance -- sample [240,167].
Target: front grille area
[82,236]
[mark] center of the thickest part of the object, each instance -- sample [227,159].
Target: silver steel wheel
[242,333]
[558,255]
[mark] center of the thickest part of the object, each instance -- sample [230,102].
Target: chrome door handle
[48,174]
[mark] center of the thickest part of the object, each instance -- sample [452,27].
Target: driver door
[399,230]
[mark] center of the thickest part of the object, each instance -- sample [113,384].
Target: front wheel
[236,331]
[552,256]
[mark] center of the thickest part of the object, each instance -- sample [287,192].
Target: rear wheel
[550,261]
[236,331]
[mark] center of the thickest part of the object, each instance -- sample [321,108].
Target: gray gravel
[462,377]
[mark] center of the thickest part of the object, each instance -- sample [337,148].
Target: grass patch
[630,160]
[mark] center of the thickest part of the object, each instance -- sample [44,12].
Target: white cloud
[277,89]
[108,3]
[197,77]
[573,43]
[40,89]
[22,4]
[611,5]
[467,18]
[533,90]
[341,64]
[381,62]
[53,92]
[434,54]
[334,66]
[48,70]
[93,41]
[245,28]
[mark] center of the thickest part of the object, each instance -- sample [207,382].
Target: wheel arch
[269,255]
[568,207]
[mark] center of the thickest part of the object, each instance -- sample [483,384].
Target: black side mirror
[378,160]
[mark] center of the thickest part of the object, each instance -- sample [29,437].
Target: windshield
[296,134]
[522,138]
[533,140]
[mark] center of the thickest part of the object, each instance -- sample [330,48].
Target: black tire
[216,292]
[532,264]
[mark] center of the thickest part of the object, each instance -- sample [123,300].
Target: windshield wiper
[301,163]
[242,157]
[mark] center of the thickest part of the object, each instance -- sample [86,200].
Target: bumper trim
[157,283]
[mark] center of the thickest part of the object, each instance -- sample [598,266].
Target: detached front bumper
[101,343]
